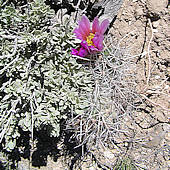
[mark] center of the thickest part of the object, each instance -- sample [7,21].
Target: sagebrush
[41,84]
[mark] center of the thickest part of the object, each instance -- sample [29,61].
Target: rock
[109,9]
[22,166]
[156,8]
[157,77]
[108,154]
[155,30]
[166,87]
[138,12]
[155,141]
[156,24]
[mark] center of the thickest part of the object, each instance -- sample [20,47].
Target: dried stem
[149,57]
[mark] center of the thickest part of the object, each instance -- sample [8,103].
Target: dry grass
[112,100]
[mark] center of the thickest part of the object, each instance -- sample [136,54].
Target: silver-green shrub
[40,83]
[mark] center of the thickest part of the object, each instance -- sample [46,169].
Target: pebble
[109,155]
[155,24]
[155,30]
[166,87]
[139,11]
[156,7]
[157,77]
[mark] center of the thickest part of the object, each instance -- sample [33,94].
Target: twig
[5,128]
[141,54]
[6,67]
[162,83]
[9,36]
[149,57]
[4,3]
[81,58]
[118,45]
[156,104]
[32,130]
[32,121]
[9,120]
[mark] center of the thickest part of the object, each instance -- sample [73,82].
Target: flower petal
[78,33]
[95,26]
[74,51]
[85,45]
[98,41]
[86,22]
[93,49]
[104,25]
[84,25]
[84,28]
[83,52]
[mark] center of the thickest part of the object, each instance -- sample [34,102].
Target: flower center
[89,39]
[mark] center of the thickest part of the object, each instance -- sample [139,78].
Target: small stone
[166,87]
[23,166]
[167,137]
[109,154]
[156,8]
[155,30]
[157,77]
[139,12]
[156,87]
[130,22]
[155,24]
[126,144]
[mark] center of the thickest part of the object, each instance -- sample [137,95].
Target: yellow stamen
[89,39]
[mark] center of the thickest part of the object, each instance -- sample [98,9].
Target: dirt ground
[142,26]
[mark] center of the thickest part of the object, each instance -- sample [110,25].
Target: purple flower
[92,39]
